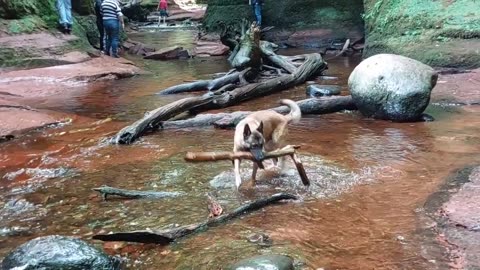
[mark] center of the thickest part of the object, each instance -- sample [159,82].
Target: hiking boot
[69,29]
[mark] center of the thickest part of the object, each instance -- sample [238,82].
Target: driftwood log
[221,98]
[235,87]
[166,236]
[153,119]
[202,85]
[288,150]
[321,105]
[247,53]
[134,194]
[312,66]
[268,51]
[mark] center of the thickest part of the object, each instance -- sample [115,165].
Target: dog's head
[254,141]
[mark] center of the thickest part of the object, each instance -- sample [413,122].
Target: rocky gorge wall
[443,33]
[331,19]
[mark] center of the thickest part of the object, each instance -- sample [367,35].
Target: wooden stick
[216,156]
[166,236]
[301,170]
[288,150]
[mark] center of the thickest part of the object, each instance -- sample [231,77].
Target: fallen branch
[134,194]
[322,105]
[342,51]
[288,150]
[166,236]
[201,85]
[313,65]
[268,49]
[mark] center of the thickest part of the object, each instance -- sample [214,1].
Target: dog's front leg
[254,173]
[238,178]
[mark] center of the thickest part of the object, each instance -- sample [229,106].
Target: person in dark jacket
[101,30]
[257,10]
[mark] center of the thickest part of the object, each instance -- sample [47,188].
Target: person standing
[163,7]
[257,10]
[112,21]
[101,30]
[64,8]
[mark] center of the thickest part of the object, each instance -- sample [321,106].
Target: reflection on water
[369,179]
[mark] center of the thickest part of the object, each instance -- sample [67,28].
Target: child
[162,6]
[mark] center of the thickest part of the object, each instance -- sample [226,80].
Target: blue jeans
[64,8]
[257,11]
[112,33]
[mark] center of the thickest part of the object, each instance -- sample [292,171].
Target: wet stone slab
[327,179]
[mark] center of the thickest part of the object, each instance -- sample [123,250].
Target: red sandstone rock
[210,48]
[169,53]
[458,88]
[463,208]
[48,81]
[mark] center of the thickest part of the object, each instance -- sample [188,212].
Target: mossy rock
[303,14]
[17,9]
[27,24]
[83,7]
[438,33]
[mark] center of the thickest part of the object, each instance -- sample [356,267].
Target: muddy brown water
[363,211]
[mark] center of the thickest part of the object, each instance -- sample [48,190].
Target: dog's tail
[295,112]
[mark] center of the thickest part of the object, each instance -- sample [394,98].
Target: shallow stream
[364,209]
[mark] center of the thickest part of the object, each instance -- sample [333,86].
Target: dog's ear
[260,127]
[246,131]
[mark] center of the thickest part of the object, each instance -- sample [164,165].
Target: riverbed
[370,179]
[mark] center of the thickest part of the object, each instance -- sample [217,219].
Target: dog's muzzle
[257,153]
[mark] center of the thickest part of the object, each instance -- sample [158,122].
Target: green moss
[302,14]
[433,32]
[27,24]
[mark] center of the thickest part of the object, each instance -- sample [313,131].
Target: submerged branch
[166,236]
[134,194]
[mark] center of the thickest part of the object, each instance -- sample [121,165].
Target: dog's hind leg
[238,178]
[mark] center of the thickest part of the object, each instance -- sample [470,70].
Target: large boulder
[264,262]
[392,87]
[58,252]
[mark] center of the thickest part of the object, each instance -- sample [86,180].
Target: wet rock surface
[209,48]
[456,210]
[331,179]
[264,262]
[41,82]
[58,252]
[392,87]
[459,89]
[17,87]
[175,52]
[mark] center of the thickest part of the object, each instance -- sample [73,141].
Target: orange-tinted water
[363,211]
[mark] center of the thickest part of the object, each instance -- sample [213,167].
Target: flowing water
[364,209]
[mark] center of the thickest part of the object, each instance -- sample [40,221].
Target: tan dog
[263,131]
